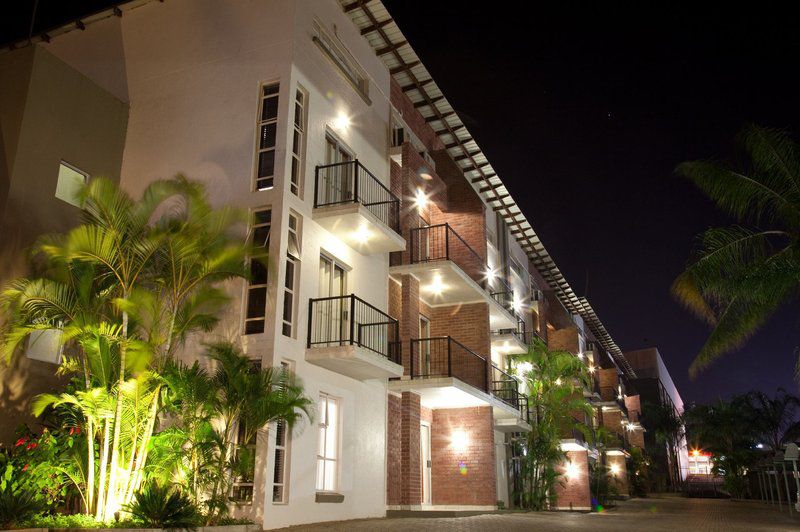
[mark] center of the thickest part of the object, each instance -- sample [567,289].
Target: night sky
[584,110]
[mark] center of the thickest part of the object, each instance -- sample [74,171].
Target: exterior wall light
[523,368]
[615,469]
[558,381]
[459,440]
[420,199]
[436,286]
[571,470]
[362,234]
[341,122]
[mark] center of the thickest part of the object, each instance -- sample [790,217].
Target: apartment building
[401,273]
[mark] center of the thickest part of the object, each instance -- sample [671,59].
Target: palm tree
[740,275]
[668,430]
[775,419]
[125,288]
[553,381]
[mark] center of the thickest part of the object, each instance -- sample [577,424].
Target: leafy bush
[73,521]
[17,505]
[160,506]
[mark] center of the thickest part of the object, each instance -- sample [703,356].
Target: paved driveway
[662,513]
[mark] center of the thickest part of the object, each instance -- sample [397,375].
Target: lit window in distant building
[70,181]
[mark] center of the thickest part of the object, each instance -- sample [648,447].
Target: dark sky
[584,110]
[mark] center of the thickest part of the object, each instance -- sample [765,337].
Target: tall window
[298,141]
[256,311]
[267,134]
[328,455]
[292,271]
[279,477]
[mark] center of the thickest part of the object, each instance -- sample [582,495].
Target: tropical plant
[638,472]
[122,291]
[669,429]
[218,416]
[738,276]
[601,485]
[727,429]
[17,505]
[158,506]
[553,381]
[775,418]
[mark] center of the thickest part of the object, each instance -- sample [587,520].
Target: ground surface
[660,513]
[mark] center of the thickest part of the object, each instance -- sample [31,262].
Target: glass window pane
[270,108]
[296,143]
[261,236]
[330,475]
[320,474]
[331,435]
[263,217]
[256,302]
[287,307]
[289,284]
[258,272]
[267,137]
[69,184]
[264,183]
[266,163]
[254,327]
[271,89]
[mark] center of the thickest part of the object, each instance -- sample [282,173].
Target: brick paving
[660,513]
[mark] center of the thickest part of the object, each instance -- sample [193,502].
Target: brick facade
[393,450]
[572,491]
[618,473]
[464,477]
[565,339]
[410,472]
[609,380]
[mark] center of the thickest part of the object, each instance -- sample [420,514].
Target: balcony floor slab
[353,361]
[355,225]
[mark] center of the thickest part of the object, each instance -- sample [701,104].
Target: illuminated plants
[121,292]
[553,381]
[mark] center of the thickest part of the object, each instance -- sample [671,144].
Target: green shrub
[159,506]
[17,505]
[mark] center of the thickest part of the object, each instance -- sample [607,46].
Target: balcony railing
[502,292]
[349,320]
[505,387]
[444,357]
[524,408]
[351,182]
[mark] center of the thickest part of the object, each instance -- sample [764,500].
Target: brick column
[410,474]
[572,488]
[409,318]
[618,473]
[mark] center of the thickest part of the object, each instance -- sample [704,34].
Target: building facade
[400,275]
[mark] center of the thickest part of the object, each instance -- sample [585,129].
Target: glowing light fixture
[523,368]
[425,174]
[436,286]
[420,199]
[615,469]
[592,369]
[571,471]
[459,440]
[341,122]
[490,274]
[362,234]
[558,381]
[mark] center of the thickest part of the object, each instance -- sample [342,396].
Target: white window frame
[298,158]
[290,288]
[285,447]
[265,286]
[343,60]
[266,182]
[322,459]
[72,201]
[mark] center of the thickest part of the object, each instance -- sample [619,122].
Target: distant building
[655,387]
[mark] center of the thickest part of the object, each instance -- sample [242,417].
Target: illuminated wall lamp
[459,440]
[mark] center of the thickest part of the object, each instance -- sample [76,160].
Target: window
[327,457]
[292,272]
[345,62]
[70,181]
[298,141]
[256,306]
[267,134]
[516,267]
[279,477]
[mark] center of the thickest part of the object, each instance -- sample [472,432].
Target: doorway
[425,461]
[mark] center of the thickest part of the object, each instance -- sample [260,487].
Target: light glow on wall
[437,286]
[362,234]
[615,469]
[459,440]
[341,122]
[420,199]
[571,471]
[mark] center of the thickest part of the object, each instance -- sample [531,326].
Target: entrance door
[425,461]
[338,186]
[332,314]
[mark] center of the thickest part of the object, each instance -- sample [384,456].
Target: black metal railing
[524,407]
[505,387]
[501,292]
[444,357]
[349,320]
[440,242]
[351,182]
[519,332]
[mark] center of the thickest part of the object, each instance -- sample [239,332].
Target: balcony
[612,398]
[351,337]
[514,341]
[351,203]
[446,374]
[506,389]
[450,272]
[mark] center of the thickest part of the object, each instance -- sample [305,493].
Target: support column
[410,481]
[572,493]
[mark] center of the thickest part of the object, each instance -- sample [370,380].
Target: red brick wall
[395,299]
[393,451]
[612,420]
[413,118]
[609,379]
[619,479]
[565,339]
[573,493]
[410,474]
[468,325]
[475,482]
[636,438]
[409,317]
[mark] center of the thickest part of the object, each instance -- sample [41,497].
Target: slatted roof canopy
[385,37]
